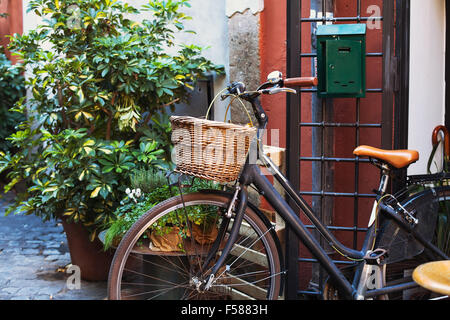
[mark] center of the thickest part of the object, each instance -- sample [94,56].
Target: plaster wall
[427,78]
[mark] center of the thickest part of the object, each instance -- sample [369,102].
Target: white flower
[128,191]
[138,193]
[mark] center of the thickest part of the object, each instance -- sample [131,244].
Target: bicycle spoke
[182,274]
[149,276]
[181,271]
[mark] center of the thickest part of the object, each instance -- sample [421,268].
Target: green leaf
[82,175]
[80,94]
[107,169]
[69,211]
[104,193]
[50,189]
[105,72]
[89,142]
[94,193]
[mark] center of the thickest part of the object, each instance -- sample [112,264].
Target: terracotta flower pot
[171,241]
[204,235]
[93,261]
[167,242]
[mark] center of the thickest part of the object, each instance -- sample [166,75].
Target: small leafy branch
[99,85]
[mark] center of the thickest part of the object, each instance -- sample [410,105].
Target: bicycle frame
[251,174]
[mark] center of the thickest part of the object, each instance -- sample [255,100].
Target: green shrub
[12,88]
[97,86]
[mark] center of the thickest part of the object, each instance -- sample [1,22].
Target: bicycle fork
[242,195]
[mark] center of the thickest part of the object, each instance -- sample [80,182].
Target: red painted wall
[13,23]
[273,57]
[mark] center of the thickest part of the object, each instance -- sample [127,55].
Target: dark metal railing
[295,124]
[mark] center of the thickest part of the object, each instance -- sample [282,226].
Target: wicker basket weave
[209,149]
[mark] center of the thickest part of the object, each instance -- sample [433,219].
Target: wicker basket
[209,149]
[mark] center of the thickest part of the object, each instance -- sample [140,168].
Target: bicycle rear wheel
[405,253]
[166,255]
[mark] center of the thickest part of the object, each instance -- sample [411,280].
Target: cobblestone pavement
[33,255]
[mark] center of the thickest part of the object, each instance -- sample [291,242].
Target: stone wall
[244,44]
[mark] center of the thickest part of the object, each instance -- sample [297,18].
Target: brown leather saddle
[397,158]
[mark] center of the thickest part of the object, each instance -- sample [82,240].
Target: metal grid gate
[312,135]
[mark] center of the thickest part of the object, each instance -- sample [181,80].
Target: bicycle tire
[237,281]
[426,204]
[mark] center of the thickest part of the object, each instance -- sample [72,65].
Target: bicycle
[243,258]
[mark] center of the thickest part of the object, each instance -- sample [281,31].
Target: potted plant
[97,82]
[167,234]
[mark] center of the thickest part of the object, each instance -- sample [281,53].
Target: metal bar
[324,159]
[388,78]
[385,290]
[313,55]
[334,261]
[358,11]
[337,228]
[375,90]
[356,181]
[341,19]
[336,194]
[293,137]
[339,125]
[317,138]
[401,112]
[324,204]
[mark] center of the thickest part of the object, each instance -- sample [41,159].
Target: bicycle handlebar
[301,82]
[275,84]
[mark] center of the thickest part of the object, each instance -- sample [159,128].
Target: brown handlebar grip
[301,82]
[435,141]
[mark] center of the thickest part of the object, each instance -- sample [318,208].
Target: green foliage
[130,211]
[98,81]
[147,180]
[11,90]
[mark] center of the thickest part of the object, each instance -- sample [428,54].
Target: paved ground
[33,255]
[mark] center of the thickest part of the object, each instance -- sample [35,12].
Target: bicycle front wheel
[169,252]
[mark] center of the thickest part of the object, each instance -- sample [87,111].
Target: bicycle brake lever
[278,90]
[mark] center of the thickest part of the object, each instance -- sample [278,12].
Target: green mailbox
[341,60]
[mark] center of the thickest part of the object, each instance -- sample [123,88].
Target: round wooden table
[434,276]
